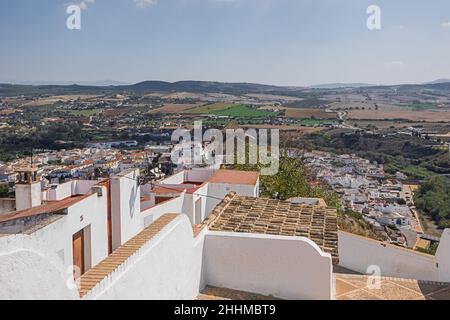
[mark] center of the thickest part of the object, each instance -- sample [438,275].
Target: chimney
[28,189]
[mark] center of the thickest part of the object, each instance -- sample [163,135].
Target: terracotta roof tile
[275,217]
[49,207]
[234,176]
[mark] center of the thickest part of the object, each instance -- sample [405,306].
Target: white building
[170,240]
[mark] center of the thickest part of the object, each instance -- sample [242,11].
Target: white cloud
[145,3]
[445,24]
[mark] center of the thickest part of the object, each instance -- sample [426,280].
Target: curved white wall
[358,253]
[283,267]
[443,256]
[29,272]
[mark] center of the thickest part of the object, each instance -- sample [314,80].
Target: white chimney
[28,189]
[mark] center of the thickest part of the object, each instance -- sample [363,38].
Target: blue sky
[284,42]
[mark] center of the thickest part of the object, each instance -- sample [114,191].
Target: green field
[311,122]
[209,108]
[243,111]
[307,103]
[418,106]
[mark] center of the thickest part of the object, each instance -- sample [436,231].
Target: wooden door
[78,251]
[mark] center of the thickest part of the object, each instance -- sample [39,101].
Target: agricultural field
[303,113]
[230,110]
[382,124]
[284,128]
[209,108]
[311,122]
[55,99]
[175,108]
[272,97]
[309,113]
[243,111]
[307,103]
[426,116]
[419,106]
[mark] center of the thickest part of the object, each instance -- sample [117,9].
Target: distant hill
[146,86]
[103,83]
[200,86]
[107,87]
[341,85]
[438,81]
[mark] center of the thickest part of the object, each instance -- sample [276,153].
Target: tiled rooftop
[275,217]
[95,275]
[49,207]
[234,177]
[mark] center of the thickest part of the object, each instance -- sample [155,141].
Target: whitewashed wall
[358,253]
[175,179]
[443,256]
[207,196]
[83,186]
[284,267]
[57,236]
[198,175]
[70,188]
[168,267]
[31,271]
[28,196]
[154,213]
[125,207]
[7,206]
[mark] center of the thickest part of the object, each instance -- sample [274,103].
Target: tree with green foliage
[292,180]
[4,191]
[433,199]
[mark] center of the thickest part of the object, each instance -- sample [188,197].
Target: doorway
[78,253]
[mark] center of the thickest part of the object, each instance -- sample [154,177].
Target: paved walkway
[355,287]
[214,293]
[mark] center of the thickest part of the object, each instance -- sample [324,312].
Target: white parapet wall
[279,266]
[152,214]
[168,267]
[31,271]
[358,254]
[443,256]
[175,265]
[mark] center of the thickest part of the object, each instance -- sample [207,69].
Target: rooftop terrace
[353,287]
[275,217]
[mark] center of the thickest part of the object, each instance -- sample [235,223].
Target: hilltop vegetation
[433,199]
[414,156]
[19,144]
